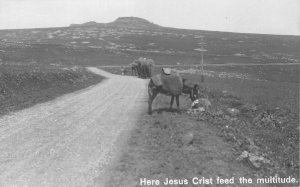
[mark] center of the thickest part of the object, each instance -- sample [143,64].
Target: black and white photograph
[138,93]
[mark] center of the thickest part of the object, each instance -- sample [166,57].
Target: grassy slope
[270,86]
[159,136]
[24,86]
[276,97]
[157,151]
[114,45]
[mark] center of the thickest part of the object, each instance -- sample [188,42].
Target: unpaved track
[71,140]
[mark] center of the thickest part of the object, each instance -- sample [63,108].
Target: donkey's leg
[150,101]
[177,101]
[172,100]
[150,105]
[152,92]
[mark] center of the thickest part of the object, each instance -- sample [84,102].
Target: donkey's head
[195,92]
[193,89]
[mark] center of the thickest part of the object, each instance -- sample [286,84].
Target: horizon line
[69,26]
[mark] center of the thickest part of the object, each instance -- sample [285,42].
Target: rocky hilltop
[133,22]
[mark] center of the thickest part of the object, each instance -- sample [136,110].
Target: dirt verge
[171,145]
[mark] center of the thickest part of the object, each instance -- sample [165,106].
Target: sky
[244,16]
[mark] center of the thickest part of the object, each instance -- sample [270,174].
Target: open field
[269,85]
[23,86]
[118,45]
[272,86]
[272,127]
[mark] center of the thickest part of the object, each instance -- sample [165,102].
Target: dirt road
[71,140]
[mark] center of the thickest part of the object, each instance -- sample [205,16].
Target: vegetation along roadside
[22,86]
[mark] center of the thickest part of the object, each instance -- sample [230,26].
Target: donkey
[144,67]
[153,90]
[134,67]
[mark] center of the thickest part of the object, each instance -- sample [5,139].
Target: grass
[56,54]
[273,73]
[115,45]
[156,151]
[275,95]
[270,86]
[25,86]
[274,130]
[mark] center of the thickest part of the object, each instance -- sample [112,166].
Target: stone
[243,155]
[224,92]
[255,160]
[201,102]
[249,107]
[188,138]
[233,111]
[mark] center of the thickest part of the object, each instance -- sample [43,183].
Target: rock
[199,105]
[195,110]
[232,111]
[244,155]
[195,104]
[255,160]
[199,110]
[202,102]
[188,138]
[249,107]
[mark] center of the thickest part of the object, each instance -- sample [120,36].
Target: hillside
[128,38]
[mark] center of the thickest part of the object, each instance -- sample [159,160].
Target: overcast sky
[246,16]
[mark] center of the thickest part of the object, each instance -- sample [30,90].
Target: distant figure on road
[123,70]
